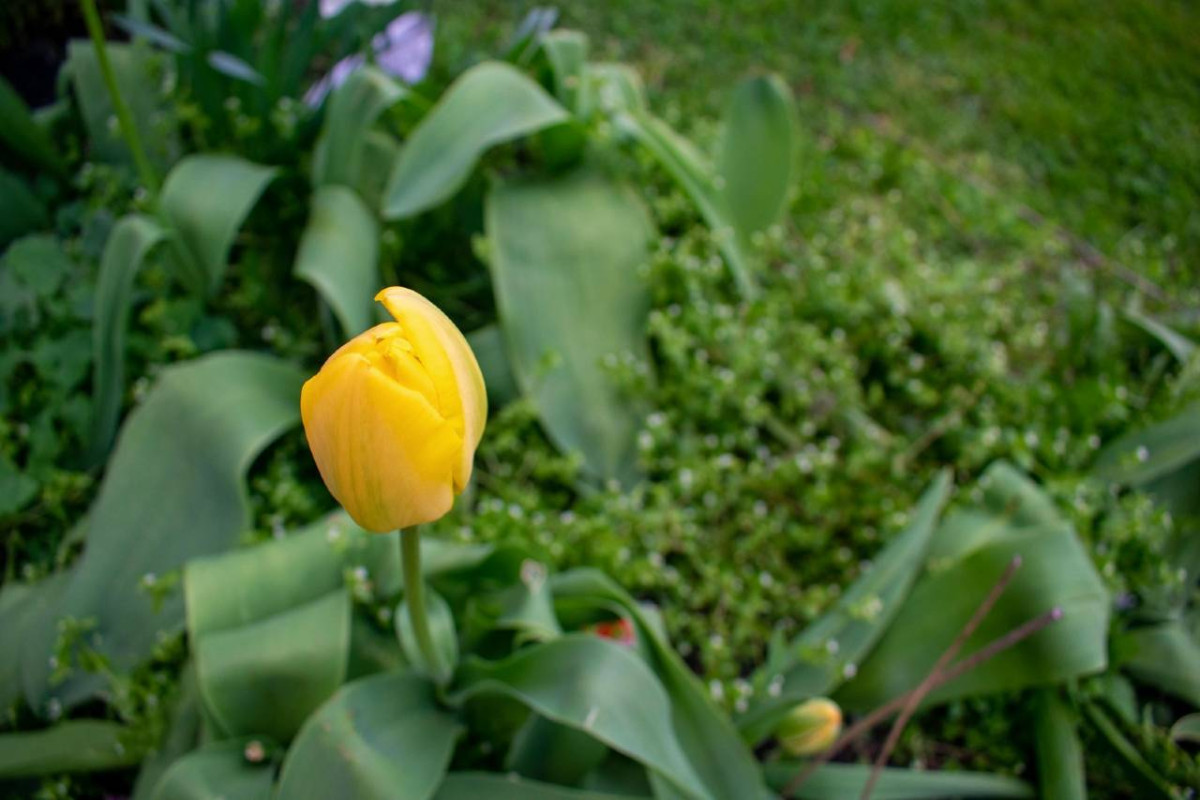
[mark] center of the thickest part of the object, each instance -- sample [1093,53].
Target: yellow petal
[384,451]
[462,396]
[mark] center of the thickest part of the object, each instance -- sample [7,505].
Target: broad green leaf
[135,70]
[130,242]
[837,781]
[267,677]
[567,53]
[488,345]
[76,746]
[441,629]
[489,104]
[21,134]
[1140,457]
[1059,753]
[173,490]
[565,259]
[549,751]
[696,177]
[349,115]
[380,738]
[593,685]
[807,667]
[489,785]
[1176,343]
[1056,572]
[20,211]
[379,152]
[339,254]
[709,739]
[217,771]
[205,199]
[757,153]
[1165,656]
[1187,729]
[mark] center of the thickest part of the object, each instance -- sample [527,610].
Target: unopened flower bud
[810,727]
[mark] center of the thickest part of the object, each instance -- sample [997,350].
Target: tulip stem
[414,592]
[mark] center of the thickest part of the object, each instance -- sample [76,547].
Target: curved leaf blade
[349,115]
[1059,753]
[847,780]
[379,738]
[1166,656]
[21,133]
[217,770]
[339,254]
[488,105]
[76,746]
[20,211]
[757,153]
[565,258]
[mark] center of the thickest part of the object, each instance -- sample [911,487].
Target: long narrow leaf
[837,781]
[79,746]
[349,115]
[1059,753]
[22,135]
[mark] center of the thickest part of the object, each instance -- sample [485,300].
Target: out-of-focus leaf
[349,115]
[489,104]
[534,25]
[1059,754]
[806,667]
[612,89]
[27,633]
[1176,343]
[132,66]
[1186,729]
[151,33]
[130,242]
[231,66]
[708,738]
[441,629]
[1165,656]
[182,735]
[847,781]
[380,738]
[16,488]
[1141,457]
[757,153]
[20,211]
[76,746]
[22,135]
[1056,572]
[1151,783]
[379,152]
[173,490]
[565,258]
[548,751]
[573,680]
[205,199]
[488,345]
[339,254]
[268,676]
[567,53]
[478,785]
[217,771]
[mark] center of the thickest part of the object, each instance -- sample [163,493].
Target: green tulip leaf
[565,259]
[847,780]
[1056,572]
[20,211]
[1176,343]
[351,111]
[22,135]
[489,104]
[477,785]
[339,255]
[709,740]
[567,53]
[549,751]
[218,770]
[757,153]
[806,667]
[379,738]
[488,345]
[126,250]
[1142,457]
[1059,753]
[1187,729]
[76,746]
[135,69]
[1165,656]
[379,151]
[205,199]
[596,686]
[173,491]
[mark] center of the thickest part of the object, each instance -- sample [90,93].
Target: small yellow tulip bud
[394,416]
[810,727]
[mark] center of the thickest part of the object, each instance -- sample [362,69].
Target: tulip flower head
[810,727]
[394,416]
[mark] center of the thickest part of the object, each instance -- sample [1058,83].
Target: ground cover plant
[762,430]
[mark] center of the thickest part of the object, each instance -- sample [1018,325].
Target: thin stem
[926,686]
[124,118]
[414,593]
[991,650]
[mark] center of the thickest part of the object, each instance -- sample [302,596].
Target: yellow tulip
[810,727]
[394,416]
